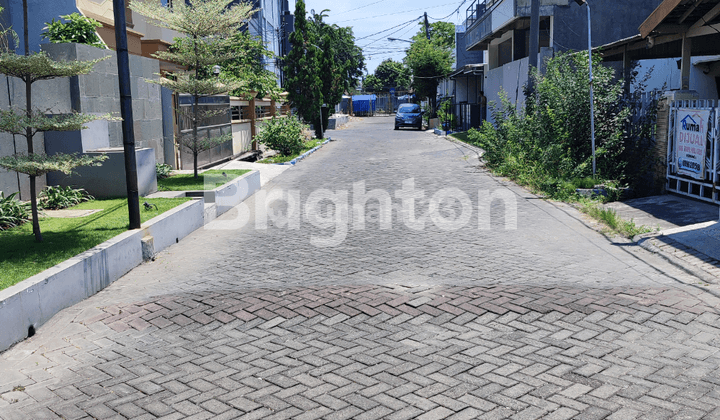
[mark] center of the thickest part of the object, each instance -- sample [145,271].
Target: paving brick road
[547,320]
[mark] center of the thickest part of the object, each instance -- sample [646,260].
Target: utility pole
[534,42]
[427,30]
[592,98]
[123,63]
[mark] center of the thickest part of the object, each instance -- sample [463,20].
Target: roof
[468,69]
[677,16]
[661,34]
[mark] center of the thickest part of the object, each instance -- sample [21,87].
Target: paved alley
[394,278]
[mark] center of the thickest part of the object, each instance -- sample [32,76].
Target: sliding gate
[693,154]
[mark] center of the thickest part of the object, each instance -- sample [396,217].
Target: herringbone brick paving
[391,352]
[551,320]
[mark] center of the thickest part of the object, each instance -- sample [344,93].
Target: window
[236,113]
[505,52]
[408,108]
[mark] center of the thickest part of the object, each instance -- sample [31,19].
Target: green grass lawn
[282,159]
[461,136]
[21,257]
[187,182]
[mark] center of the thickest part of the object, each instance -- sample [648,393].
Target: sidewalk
[688,231]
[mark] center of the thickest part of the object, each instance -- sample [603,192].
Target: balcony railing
[476,10]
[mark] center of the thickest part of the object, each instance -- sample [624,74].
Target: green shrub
[162,170]
[77,28]
[547,147]
[12,212]
[53,198]
[284,135]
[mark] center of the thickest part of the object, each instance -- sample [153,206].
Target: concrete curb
[442,133]
[27,305]
[474,148]
[306,154]
[228,195]
[645,241]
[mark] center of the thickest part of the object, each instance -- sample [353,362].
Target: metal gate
[387,103]
[467,115]
[704,185]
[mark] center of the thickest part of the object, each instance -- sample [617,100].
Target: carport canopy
[676,28]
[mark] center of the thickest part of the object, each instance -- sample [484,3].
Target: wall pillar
[685,63]
[627,69]
[253,122]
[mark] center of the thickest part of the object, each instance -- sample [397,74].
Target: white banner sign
[691,130]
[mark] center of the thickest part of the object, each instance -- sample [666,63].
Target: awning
[661,34]
[467,70]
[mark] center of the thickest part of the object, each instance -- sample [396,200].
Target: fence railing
[477,11]
[388,103]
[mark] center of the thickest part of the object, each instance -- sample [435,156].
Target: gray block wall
[51,95]
[108,180]
[612,20]
[97,92]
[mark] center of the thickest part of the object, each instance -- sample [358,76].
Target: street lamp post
[592,101]
[398,39]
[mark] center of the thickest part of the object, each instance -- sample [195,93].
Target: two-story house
[501,29]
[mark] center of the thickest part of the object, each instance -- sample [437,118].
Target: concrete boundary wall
[228,195]
[234,192]
[26,306]
[337,122]
[168,228]
[35,300]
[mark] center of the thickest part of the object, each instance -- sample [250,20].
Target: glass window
[407,108]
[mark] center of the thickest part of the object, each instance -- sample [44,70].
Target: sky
[372,21]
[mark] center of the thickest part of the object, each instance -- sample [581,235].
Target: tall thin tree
[30,68]
[302,71]
[208,26]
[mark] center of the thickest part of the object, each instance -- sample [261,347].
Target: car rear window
[409,108]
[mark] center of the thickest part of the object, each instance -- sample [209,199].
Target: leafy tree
[390,74]
[324,62]
[245,63]
[303,82]
[429,63]
[30,68]
[341,61]
[77,28]
[372,83]
[442,34]
[209,26]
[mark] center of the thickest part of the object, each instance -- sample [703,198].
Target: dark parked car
[409,115]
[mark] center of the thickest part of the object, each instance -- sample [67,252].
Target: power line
[395,13]
[385,30]
[391,33]
[361,7]
[454,11]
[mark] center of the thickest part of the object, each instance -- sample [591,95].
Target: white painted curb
[35,300]
[306,154]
